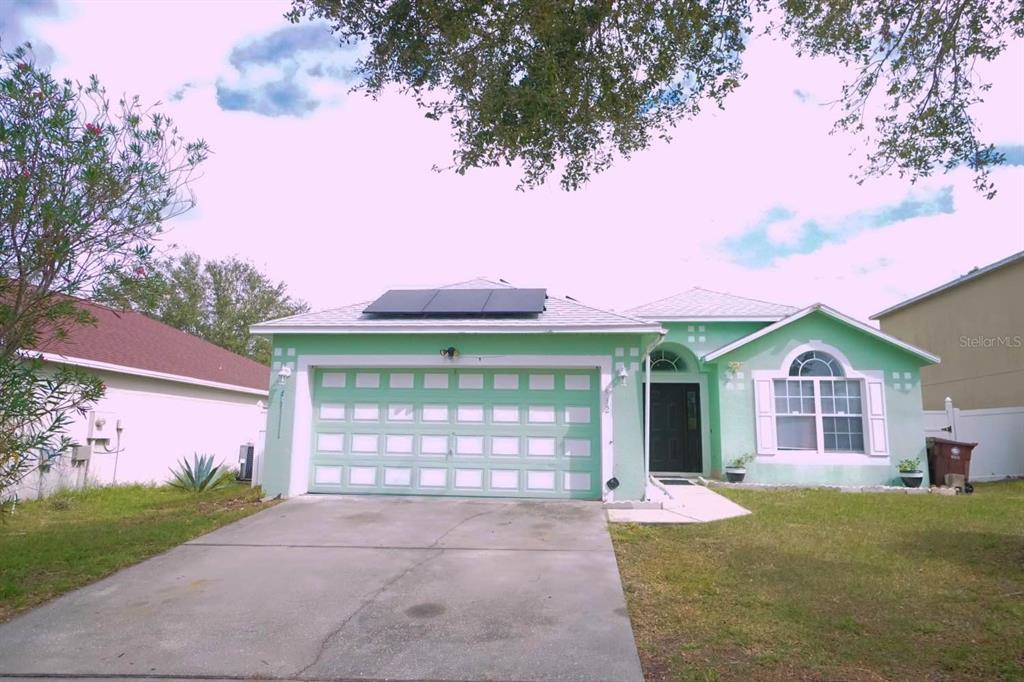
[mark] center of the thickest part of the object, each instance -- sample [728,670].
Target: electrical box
[81,453]
[102,426]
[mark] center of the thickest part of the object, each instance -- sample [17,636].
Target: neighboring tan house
[976,323]
[168,395]
[482,389]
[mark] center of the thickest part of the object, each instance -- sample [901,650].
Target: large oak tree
[565,86]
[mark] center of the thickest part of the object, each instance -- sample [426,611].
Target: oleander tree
[566,87]
[86,184]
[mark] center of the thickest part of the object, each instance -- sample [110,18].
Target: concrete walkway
[367,588]
[680,504]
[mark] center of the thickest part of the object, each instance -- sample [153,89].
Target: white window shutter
[764,417]
[878,432]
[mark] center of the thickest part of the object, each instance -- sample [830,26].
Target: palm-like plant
[199,476]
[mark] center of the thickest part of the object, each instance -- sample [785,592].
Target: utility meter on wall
[101,428]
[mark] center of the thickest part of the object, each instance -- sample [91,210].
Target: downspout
[647,410]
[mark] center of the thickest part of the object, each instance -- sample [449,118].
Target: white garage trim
[302,419]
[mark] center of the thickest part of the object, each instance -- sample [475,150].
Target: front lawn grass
[50,546]
[824,585]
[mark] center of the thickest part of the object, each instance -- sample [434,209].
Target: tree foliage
[85,186]
[217,300]
[565,86]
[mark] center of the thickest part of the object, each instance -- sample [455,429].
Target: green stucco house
[482,389]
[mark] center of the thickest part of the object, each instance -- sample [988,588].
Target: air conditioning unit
[102,426]
[245,454]
[81,453]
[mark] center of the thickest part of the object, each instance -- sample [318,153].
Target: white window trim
[875,434]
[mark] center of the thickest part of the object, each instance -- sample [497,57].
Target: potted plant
[737,468]
[910,472]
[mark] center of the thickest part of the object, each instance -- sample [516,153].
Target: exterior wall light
[623,375]
[284,373]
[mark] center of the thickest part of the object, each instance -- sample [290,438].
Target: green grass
[50,546]
[826,585]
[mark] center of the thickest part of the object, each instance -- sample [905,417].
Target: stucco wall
[905,423]
[163,422]
[625,399]
[977,328]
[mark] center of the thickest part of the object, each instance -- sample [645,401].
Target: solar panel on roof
[430,302]
[516,301]
[463,301]
[401,302]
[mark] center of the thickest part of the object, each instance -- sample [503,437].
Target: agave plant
[200,475]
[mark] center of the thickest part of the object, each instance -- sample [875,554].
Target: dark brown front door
[675,428]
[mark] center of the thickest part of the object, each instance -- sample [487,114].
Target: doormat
[675,481]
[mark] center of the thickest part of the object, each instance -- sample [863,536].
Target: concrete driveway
[366,588]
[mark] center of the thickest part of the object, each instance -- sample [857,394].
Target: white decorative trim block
[433,478]
[540,447]
[433,445]
[505,414]
[367,379]
[469,413]
[366,412]
[541,414]
[576,447]
[362,475]
[397,444]
[619,352]
[469,478]
[505,479]
[365,442]
[401,380]
[400,412]
[327,475]
[471,381]
[469,445]
[506,382]
[435,413]
[434,380]
[576,480]
[505,446]
[634,352]
[333,380]
[542,382]
[540,480]
[332,411]
[330,442]
[577,415]
[397,476]
[577,382]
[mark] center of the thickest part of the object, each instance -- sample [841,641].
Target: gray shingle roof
[700,303]
[560,314]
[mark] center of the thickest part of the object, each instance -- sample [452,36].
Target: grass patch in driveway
[50,546]
[818,584]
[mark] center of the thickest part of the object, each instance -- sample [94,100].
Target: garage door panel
[532,433]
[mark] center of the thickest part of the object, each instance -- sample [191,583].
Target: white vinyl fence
[999,433]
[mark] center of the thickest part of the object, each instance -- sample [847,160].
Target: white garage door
[498,433]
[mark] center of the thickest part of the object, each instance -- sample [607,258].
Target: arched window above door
[666,361]
[815,363]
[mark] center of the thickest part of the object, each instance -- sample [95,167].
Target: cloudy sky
[335,194]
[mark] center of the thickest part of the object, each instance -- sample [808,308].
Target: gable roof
[561,314]
[835,314]
[974,274]
[129,342]
[704,304]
